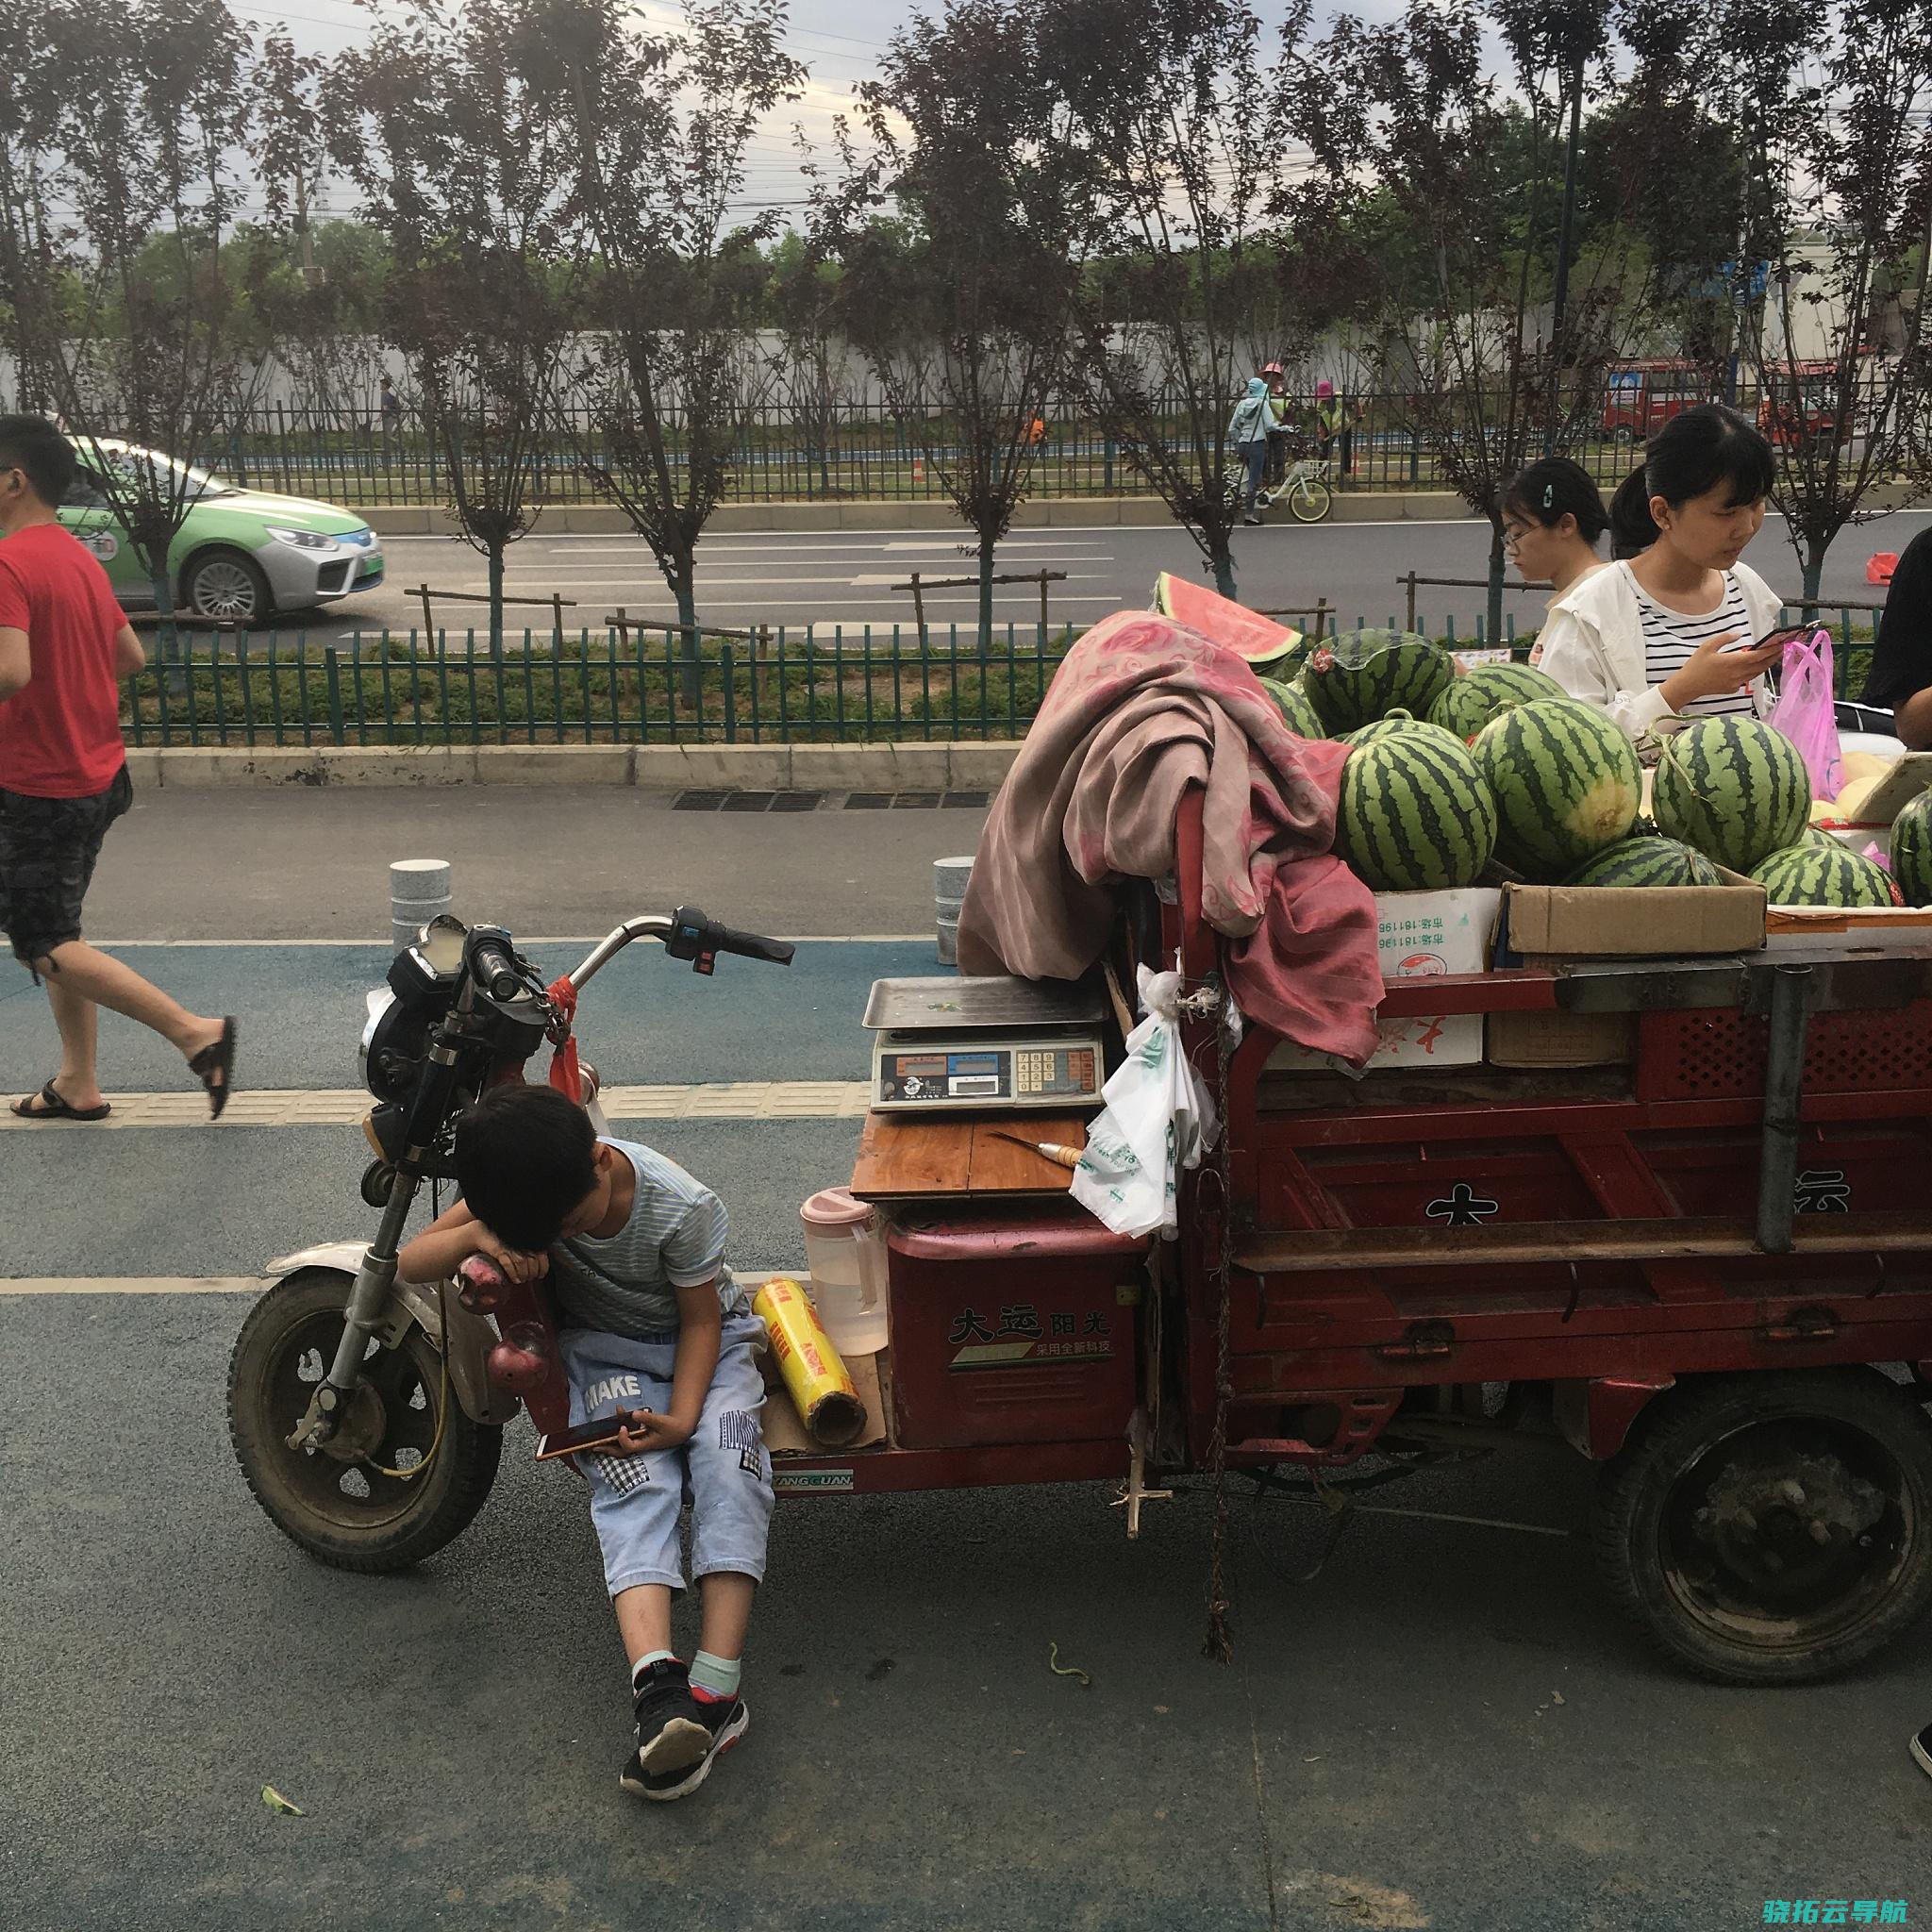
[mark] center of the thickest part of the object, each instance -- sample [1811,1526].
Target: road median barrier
[668,768]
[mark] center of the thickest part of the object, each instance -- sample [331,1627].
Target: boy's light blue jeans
[724,1471]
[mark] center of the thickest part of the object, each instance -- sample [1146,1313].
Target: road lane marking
[789,939]
[1078,576]
[229,1284]
[343,1106]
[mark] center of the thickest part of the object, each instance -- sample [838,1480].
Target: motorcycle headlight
[300,539]
[390,1055]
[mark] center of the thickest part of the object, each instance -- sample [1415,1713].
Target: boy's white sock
[717,1676]
[645,1663]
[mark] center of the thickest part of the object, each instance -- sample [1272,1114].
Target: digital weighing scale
[984,1045]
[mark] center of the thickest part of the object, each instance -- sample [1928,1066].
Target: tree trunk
[168,647]
[986,547]
[1497,563]
[1815,548]
[496,605]
[690,677]
[1221,556]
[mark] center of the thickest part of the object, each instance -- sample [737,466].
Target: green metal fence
[607,688]
[835,448]
[786,686]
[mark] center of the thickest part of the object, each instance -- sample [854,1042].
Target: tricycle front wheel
[1772,1528]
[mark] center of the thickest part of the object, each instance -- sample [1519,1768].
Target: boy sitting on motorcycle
[650,1324]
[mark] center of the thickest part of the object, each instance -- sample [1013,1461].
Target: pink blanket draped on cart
[1142,708]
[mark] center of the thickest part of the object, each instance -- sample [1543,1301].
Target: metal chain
[1219,1644]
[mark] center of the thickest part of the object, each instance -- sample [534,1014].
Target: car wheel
[227,585]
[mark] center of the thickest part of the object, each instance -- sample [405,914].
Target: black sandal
[211,1060]
[53,1108]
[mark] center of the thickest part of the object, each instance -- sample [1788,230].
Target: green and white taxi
[240,554]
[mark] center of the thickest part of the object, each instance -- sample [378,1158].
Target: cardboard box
[1562,1039]
[1421,936]
[1632,921]
[784,1430]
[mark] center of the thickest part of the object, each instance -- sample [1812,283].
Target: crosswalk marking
[728,1100]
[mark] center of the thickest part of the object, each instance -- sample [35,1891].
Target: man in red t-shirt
[64,647]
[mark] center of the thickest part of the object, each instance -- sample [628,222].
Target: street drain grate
[748,801]
[795,801]
[917,800]
[868,801]
[698,800]
[956,799]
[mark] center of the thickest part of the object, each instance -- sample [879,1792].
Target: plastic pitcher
[847,1253]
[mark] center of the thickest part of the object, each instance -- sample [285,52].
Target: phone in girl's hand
[1784,634]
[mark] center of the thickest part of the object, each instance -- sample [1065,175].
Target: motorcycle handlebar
[498,974]
[750,945]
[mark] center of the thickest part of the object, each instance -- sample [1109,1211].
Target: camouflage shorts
[48,847]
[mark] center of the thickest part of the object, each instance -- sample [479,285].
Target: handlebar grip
[697,937]
[749,945]
[499,976]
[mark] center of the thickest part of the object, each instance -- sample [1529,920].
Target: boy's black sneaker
[725,1722]
[671,1735]
[1922,1750]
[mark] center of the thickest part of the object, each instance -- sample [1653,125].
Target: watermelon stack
[1912,850]
[1414,813]
[1472,701]
[1395,721]
[1292,701]
[1807,875]
[1733,788]
[1566,783]
[1646,860]
[1362,675]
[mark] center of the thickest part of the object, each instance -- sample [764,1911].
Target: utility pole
[1559,298]
[305,238]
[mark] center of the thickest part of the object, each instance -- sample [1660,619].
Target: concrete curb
[667,768]
[793,519]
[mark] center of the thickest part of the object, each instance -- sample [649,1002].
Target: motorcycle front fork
[361,1317]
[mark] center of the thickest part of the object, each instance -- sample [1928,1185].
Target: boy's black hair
[1691,454]
[526,1158]
[32,444]
[1549,489]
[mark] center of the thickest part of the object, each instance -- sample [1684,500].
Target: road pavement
[847,577]
[1433,1718]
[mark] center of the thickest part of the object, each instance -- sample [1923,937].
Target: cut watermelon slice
[1259,638]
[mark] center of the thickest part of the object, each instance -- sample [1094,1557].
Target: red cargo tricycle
[1704,1267]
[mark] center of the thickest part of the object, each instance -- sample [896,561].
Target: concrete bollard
[949,876]
[419,889]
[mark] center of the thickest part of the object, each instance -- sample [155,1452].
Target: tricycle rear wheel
[1772,1528]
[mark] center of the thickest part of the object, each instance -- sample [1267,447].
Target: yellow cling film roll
[815,1378]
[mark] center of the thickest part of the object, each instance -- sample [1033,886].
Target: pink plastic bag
[1806,713]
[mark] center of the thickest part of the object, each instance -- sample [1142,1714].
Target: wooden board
[1318,1249]
[902,1157]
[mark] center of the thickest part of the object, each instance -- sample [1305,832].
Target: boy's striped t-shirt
[626,1284]
[1670,636]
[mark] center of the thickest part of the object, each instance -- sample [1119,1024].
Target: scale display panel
[1029,1071]
[957,1046]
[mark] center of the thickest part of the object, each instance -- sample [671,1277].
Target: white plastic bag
[1158,1119]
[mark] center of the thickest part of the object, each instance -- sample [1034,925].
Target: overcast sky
[840,41]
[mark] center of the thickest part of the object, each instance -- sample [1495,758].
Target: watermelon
[1396,720]
[1414,813]
[1362,675]
[1266,646]
[1807,875]
[1566,784]
[1472,700]
[1912,850]
[1733,788]
[1646,861]
[1294,704]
